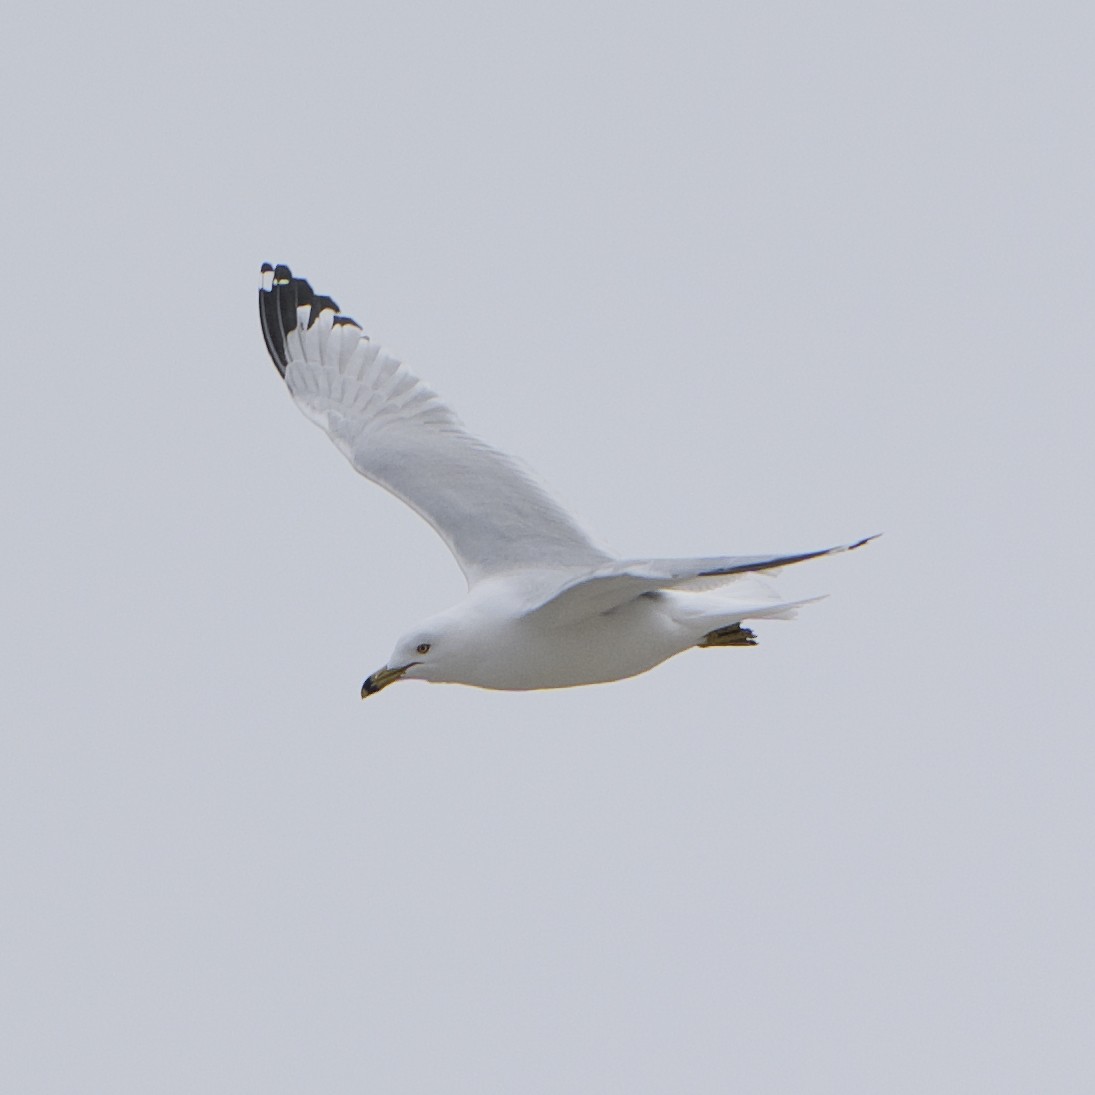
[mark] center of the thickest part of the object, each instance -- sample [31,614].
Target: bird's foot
[733,635]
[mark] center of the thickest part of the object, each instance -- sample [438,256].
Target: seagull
[546,607]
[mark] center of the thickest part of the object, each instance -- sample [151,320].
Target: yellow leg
[734,635]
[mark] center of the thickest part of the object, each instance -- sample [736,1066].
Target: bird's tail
[733,634]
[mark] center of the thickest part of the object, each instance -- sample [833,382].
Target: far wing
[395,430]
[609,586]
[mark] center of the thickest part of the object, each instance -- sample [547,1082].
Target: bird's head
[434,651]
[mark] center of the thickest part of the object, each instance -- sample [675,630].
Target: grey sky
[732,279]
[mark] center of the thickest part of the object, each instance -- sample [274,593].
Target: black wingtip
[280,297]
[269,317]
[865,540]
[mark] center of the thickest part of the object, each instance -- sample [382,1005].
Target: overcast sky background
[732,278]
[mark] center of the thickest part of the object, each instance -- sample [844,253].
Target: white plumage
[546,606]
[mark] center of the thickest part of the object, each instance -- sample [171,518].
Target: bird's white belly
[622,643]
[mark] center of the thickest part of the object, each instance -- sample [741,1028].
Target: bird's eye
[423,648]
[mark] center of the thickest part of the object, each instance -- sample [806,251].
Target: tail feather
[733,634]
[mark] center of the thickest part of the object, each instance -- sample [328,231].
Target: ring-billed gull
[546,607]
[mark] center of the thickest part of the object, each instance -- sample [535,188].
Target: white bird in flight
[546,607]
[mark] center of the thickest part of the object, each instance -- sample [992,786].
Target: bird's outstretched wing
[613,584]
[395,430]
